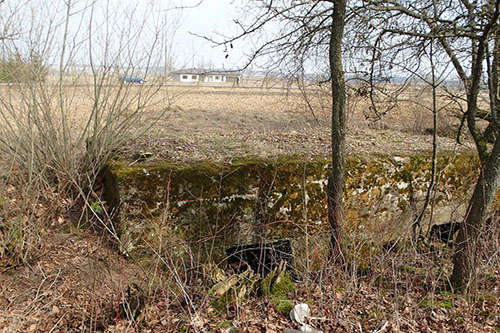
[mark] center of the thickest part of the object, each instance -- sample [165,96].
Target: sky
[133,35]
[126,29]
[211,18]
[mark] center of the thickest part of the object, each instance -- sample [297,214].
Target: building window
[194,77]
[184,77]
[217,77]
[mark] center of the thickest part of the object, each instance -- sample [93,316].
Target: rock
[142,156]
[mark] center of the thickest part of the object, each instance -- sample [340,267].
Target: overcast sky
[128,27]
[210,18]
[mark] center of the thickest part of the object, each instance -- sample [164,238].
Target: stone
[309,329]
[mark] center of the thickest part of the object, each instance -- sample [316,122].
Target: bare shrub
[60,122]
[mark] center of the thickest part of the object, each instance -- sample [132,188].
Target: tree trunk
[465,258]
[336,180]
[495,84]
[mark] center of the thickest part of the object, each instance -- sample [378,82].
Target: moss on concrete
[205,207]
[277,284]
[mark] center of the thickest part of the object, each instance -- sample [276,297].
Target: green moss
[250,161]
[431,303]
[277,284]
[283,305]
[200,168]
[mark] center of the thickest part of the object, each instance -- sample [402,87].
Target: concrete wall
[206,207]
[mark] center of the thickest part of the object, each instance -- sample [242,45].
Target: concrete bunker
[249,206]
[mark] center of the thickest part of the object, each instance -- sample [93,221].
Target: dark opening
[262,258]
[445,232]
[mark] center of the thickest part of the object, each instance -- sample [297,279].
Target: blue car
[130,79]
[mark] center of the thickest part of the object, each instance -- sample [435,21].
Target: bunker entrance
[262,258]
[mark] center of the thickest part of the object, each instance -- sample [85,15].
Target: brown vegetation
[218,123]
[77,279]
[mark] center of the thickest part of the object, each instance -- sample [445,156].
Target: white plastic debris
[300,312]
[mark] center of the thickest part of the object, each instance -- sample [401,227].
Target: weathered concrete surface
[202,208]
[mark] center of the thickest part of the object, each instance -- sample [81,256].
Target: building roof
[201,71]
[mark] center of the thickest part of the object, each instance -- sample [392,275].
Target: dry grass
[219,123]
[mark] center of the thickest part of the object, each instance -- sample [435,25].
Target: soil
[75,284]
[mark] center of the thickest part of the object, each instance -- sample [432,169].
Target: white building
[191,75]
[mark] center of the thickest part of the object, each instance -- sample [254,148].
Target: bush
[15,69]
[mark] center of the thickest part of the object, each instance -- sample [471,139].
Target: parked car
[130,79]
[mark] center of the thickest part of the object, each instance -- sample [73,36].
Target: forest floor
[79,284]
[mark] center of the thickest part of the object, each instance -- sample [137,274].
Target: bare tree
[393,32]
[337,177]
[295,38]
[465,31]
[63,109]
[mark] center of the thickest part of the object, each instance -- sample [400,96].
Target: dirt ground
[186,123]
[79,284]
